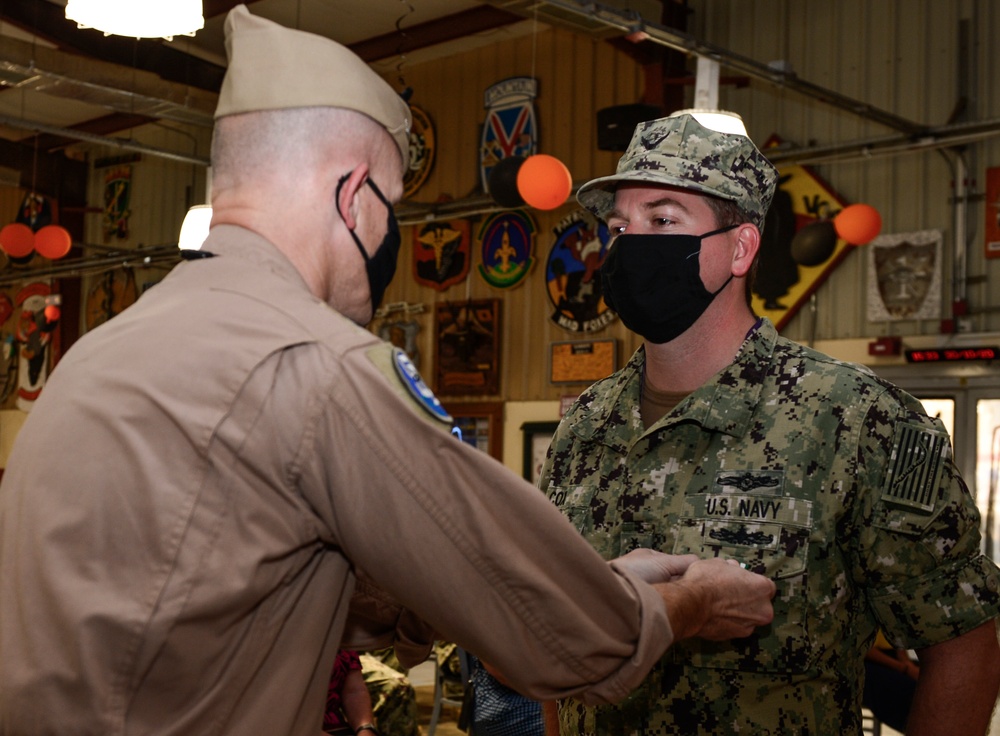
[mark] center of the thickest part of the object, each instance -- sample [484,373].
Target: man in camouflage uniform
[720,437]
[394,701]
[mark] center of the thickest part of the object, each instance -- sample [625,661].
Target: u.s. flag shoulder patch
[916,463]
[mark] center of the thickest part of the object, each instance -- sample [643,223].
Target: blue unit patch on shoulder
[416,386]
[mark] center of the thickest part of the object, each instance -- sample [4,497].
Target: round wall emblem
[422,149]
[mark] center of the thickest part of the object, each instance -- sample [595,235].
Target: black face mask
[380,267]
[654,283]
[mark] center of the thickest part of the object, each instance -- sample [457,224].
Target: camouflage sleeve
[917,554]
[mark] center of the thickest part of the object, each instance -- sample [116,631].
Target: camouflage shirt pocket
[574,502]
[768,534]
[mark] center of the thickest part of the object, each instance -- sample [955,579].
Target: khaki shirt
[813,472]
[190,501]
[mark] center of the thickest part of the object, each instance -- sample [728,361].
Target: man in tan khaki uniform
[248,480]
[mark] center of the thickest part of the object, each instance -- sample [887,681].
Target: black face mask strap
[725,229]
[354,237]
[716,232]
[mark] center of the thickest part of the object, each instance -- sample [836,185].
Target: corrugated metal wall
[919,59]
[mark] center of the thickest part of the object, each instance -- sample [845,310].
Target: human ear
[346,195]
[747,245]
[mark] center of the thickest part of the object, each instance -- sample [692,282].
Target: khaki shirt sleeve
[471,548]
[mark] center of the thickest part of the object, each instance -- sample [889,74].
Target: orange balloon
[51,313]
[858,223]
[17,240]
[544,182]
[53,241]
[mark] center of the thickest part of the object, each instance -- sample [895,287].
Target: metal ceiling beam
[450,28]
[109,141]
[631,22]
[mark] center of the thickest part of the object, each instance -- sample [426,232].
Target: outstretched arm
[711,599]
[958,685]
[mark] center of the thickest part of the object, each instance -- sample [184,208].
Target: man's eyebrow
[651,205]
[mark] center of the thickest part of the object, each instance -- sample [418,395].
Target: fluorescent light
[138,18]
[720,121]
[194,229]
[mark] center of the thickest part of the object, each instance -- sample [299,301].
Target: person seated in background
[393,698]
[497,710]
[890,681]
[348,704]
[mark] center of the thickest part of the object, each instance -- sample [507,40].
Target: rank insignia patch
[507,247]
[510,128]
[572,275]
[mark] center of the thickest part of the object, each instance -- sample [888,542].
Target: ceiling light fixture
[138,18]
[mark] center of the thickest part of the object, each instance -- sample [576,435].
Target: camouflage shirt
[814,472]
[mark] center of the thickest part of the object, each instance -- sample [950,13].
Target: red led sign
[950,355]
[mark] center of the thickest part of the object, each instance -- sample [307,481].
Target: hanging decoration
[814,243]
[783,283]
[35,333]
[35,211]
[423,147]
[17,241]
[858,224]
[112,293]
[33,230]
[503,182]
[441,253]
[904,276]
[991,230]
[467,347]
[572,275]
[400,328]
[507,248]
[510,128]
[544,181]
[117,193]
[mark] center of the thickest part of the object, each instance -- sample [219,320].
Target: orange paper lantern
[17,240]
[53,241]
[544,182]
[858,223]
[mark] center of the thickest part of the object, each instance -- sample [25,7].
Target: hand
[718,600]
[651,566]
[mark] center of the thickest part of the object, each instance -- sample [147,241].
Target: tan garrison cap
[679,151]
[273,68]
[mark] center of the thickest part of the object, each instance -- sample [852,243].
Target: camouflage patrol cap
[679,151]
[273,68]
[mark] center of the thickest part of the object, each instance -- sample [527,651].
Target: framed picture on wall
[537,436]
[481,425]
[467,337]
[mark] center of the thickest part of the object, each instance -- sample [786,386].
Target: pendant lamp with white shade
[138,18]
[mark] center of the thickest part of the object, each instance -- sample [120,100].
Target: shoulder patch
[419,390]
[915,466]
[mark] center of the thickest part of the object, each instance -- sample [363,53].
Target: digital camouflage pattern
[679,151]
[394,701]
[811,471]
